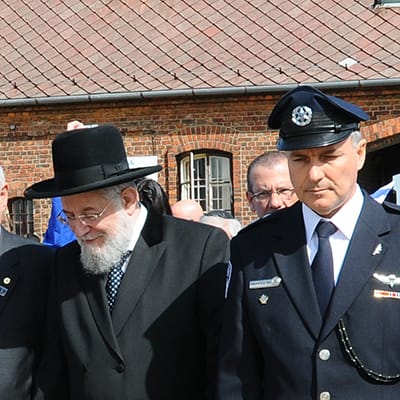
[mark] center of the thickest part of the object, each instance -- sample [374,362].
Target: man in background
[268,183]
[153,196]
[24,279]
[385,193]
[224,220]
[187,209]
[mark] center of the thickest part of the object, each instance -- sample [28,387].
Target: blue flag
[57,234]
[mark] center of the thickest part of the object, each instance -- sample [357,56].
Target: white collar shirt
[345,220]
[137,230]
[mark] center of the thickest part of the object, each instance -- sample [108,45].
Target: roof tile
[57,48]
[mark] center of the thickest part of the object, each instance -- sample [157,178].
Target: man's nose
[79,228]
[275,201]
[316,172]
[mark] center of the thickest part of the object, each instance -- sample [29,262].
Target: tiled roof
[81,47]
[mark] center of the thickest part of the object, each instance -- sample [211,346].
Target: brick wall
[165,128]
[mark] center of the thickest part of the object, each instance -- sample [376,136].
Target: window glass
[21,216]
[208,180]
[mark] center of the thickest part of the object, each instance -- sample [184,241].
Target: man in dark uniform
[313,314]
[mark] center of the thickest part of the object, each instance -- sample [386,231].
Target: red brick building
[189,83]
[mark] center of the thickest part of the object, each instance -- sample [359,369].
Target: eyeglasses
[84,219]
[265,195]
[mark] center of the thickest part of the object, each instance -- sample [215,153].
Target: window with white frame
[21,216]
[206,178]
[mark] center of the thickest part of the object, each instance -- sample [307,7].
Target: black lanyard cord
[348,347]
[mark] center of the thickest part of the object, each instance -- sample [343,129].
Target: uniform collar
[345,219]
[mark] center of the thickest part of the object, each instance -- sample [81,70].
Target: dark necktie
[114,280]
[322,266]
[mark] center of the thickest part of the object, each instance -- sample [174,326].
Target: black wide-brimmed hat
[307,118]
[87,159]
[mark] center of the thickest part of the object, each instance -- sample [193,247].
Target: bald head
[187,209]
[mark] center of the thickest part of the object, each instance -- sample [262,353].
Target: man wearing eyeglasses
[136,301]
[268,183]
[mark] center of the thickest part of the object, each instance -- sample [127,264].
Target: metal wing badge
[391,280]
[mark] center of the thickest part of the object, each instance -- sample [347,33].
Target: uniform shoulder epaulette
[255,224]
[391,207]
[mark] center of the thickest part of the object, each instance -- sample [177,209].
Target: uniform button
[120,368]
[325,396]
[7,280]
[324,354]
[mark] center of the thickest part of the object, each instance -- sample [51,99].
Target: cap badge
[301,115]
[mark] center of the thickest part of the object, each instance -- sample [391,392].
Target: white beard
[99,260]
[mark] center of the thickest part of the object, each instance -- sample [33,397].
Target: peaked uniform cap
[87,159]
[307,118]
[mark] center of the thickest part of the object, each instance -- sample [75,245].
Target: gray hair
[356,138]
[268,159]
[113,192]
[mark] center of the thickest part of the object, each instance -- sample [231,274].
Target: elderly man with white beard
[136,301]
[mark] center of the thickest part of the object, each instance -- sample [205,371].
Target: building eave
[177,93]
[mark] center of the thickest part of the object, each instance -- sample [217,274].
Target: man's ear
[130,199]
[3,197]
[249,200]
[361,152]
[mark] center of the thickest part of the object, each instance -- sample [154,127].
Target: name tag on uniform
[265,283]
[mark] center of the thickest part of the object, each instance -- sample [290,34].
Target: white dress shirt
[345,220]
[137,229]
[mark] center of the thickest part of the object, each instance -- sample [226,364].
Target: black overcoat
[161,340]
[24,283]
